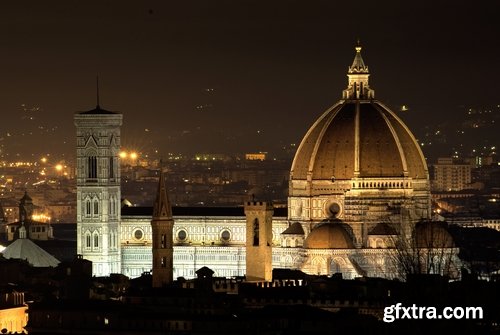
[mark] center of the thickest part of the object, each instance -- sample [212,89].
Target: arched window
[88,210]
[256,232]
[88,241]
[111,167]
[112,205]
[96,207]
[92,167]
[335,267]
[96,240]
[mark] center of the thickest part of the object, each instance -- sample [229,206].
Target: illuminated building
[98,189]
[23,232]
[211,157]
[259,241]
[202,236]
[358,183]
[25,249]
[36,226]
[13,311]
[259,156]
[451,176]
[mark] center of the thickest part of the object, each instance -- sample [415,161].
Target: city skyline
[202,75]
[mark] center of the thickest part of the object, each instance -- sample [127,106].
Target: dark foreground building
[293,303]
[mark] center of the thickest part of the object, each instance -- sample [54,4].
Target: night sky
[233,76]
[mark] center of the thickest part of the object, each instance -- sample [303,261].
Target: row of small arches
[92,240]
[92,206]
[383,184]
[291,242]
[92,167]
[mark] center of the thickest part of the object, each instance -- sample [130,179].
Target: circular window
[181,235]
[333,209]
[138,234]
[225,236]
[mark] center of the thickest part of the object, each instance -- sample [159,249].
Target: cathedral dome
[433,234]
[329,236]
[359,137]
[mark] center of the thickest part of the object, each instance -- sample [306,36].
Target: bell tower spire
[162,226]
[162,207]
[357,74]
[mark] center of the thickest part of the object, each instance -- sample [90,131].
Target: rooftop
[196,211]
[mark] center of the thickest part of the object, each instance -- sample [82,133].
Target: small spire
[358,65]
[97,90]
[162,207]
[26,197]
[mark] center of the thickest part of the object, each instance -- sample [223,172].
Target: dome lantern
[357,86]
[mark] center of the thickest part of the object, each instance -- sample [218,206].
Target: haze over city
[223,76]
[249,167]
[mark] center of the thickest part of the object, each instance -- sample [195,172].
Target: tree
[429,250]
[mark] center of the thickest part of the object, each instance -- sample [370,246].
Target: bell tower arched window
[96,207]
[111,209]
[92,167]
[88,208]
[111,167]
[88,241]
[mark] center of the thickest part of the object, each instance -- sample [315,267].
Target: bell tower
[259,239]
[25,208]
[162,226]
[98,189]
